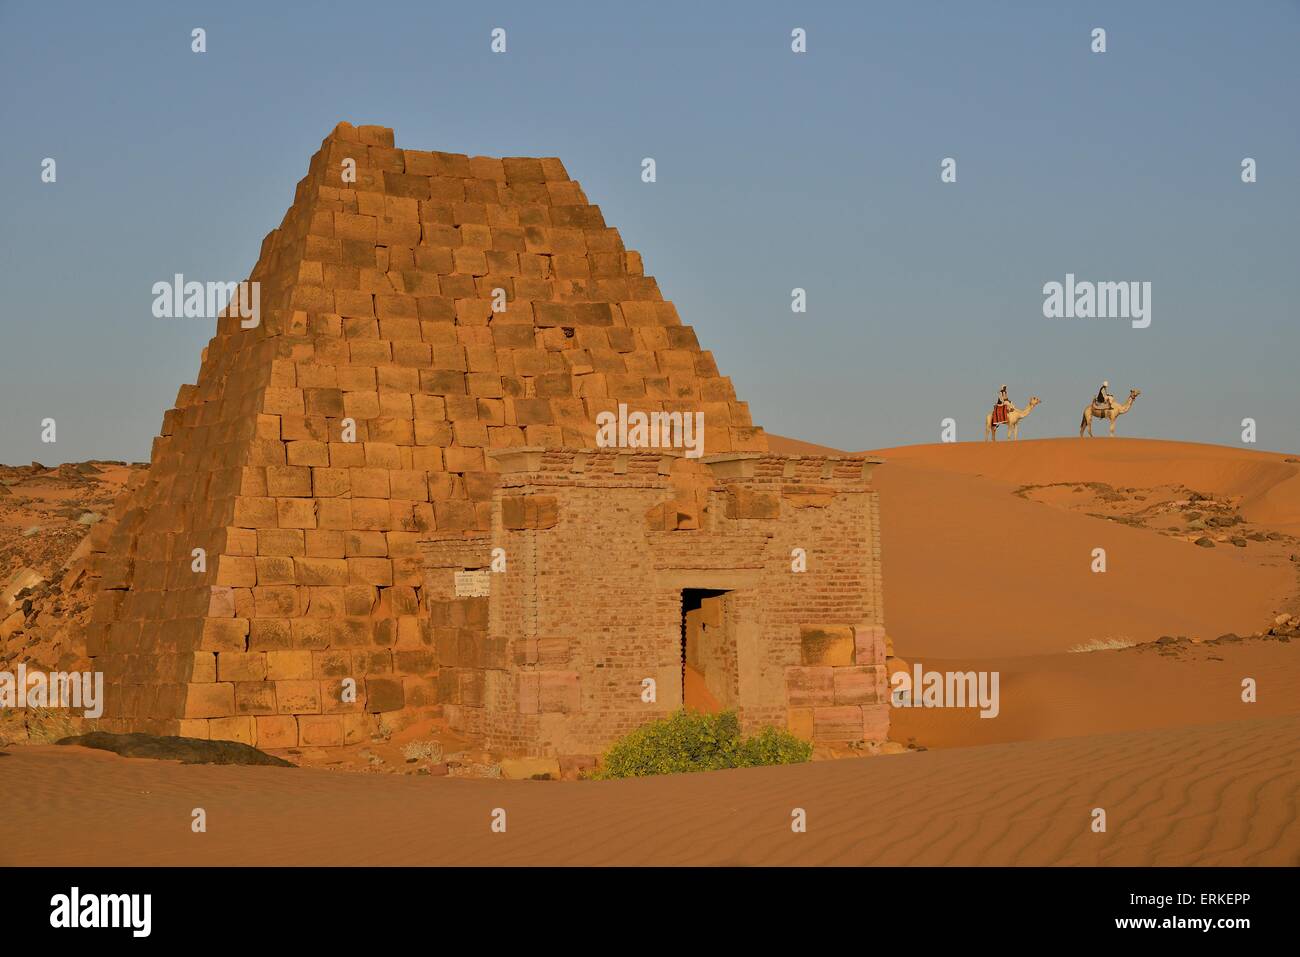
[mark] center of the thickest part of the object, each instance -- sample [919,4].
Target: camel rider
[1002,407]
[1104,397]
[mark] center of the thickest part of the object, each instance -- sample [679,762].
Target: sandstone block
[807,687]
[209,700]
[826,645]
[276,731]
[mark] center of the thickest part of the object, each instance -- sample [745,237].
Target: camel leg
[1112,426]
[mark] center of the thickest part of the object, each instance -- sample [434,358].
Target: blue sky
[775,170]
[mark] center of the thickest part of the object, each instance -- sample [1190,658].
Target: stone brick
[837,725]
[276,731]
[826,645]
[529,511]
[237,728]
[291,665]
[255,697]
[320,730]
[746,503]
[241,666]
[806,687]
[799,722]
[224,634]
[298,697]
[209,700]
[384,694]
[856,685]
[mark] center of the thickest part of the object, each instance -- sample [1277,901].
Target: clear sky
[775,170]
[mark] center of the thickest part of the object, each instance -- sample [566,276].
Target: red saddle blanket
[999,414]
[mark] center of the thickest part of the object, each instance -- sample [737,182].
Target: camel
[1112,412]
[1013,421]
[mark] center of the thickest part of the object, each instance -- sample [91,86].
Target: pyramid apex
[370,135]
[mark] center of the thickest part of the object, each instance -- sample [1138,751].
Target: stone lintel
[768,467]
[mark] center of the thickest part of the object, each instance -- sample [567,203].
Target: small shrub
[688,741]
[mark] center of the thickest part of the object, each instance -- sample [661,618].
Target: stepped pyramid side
[376,312]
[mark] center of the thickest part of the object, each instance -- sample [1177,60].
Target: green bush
[688,741]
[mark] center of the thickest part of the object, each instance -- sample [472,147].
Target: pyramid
[263,582]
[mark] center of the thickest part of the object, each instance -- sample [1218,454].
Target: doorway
[706,653]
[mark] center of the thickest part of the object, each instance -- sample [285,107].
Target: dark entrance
[704,650]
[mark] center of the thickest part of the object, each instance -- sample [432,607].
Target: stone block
[807,687]
[832,645]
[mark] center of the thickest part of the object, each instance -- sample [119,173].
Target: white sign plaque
[473,584]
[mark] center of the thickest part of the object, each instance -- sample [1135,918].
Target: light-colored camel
[1014,416]
[1112,412]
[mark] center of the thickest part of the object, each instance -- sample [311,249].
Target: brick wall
[598,547]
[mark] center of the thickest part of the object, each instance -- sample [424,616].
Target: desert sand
[1203,795]
[988,566]
[973,568]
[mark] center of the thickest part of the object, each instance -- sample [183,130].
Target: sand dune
[982,575]
[1148,687]
[973,569]
[1205,795]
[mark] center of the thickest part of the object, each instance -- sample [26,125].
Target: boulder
[525,769]
[20,580]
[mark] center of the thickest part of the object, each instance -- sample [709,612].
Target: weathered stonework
[305,495]
[586,605]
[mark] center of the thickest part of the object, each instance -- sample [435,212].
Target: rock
[430,751]
[1205,542]
[31,531]
[1282,620]
[11,625]
[172,748]
[524,769]
[89,518]
[1238,541]
[21,580]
